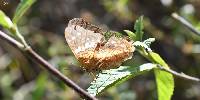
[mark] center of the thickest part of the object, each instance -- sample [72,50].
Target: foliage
[109,78]
[112,77]
[139,28]
[164,80]
[176,45]
[5,21]
[131,35]
[21,9]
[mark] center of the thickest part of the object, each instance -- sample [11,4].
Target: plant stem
[47,66]
[181,75]
[185,23]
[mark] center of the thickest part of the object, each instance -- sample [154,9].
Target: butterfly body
[92,49]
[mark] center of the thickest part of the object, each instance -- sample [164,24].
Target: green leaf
[139,28]
[149,41]
[131,35]
[21,9]
[165,84]
[5,21]
[145,44]
[164,80]
[157,59]
[109,78]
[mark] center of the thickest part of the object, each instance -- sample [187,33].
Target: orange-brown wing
[114,52]
[120,44]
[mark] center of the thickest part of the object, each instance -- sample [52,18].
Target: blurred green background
[43,27]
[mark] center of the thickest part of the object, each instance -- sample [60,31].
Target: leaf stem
[21,39]
[181,75]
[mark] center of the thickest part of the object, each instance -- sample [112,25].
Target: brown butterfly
[92,48]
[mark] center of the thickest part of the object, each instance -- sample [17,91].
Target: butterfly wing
[120,44]
[114,52]
[79,38]
[93,51]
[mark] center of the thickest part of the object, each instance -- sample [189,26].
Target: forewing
[120,44]
[80,38]
[119,49]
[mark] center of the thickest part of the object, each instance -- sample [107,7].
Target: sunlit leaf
[139,28]
[164,80]
[149,41]
[7,23]
[145,44]
[5,20]
[131,34]
[109,78]
[21,9]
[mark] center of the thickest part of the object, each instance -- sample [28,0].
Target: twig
[47,66]
[181,75]
[185,23]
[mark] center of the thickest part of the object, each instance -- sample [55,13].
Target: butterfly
[96,49]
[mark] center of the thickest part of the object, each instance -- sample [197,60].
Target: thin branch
[185,23]
[47,66]
[181,75]
[11,40]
